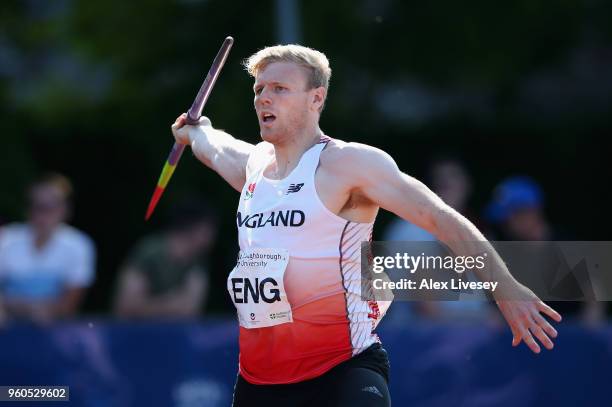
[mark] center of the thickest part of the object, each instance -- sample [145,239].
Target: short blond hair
[316,62]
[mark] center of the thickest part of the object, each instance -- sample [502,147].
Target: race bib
[257,290]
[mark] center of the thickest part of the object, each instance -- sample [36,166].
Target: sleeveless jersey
[331,321]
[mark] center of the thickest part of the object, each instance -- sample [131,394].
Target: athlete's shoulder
[350,156]
[265,147]
[259,155]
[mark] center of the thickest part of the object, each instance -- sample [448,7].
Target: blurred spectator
[166,275]
[2,312]
[45,265]
[516,213]
[449,179]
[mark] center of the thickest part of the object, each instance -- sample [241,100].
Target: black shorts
[360,381]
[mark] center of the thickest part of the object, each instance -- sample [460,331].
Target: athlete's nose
[263,99]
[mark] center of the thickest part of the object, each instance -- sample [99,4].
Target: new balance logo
[373,389]
[294,188]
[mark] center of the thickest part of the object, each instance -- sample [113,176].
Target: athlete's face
[283,104]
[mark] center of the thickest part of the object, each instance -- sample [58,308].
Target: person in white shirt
[45,264]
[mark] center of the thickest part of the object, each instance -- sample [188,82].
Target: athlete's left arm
[380,180]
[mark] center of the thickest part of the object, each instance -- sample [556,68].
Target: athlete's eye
[279,88]
[258,90]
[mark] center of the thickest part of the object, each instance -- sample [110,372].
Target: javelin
[193,117]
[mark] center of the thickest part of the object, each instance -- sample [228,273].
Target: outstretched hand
[525,321]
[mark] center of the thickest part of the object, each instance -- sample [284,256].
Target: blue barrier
[109,363]
[463,365]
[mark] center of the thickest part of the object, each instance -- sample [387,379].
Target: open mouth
[268,117]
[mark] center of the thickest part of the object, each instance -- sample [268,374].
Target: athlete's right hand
[184,133]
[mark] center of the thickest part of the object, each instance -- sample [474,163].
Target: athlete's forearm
[464,239]
[222,153]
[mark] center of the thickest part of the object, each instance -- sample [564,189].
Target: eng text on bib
[257,290]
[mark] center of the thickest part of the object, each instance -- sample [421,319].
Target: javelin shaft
[193,116]
[195,111]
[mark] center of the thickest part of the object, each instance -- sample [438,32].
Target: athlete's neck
[288,153]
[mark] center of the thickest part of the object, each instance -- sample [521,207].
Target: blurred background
[502,109]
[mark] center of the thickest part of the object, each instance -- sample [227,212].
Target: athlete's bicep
[382,182]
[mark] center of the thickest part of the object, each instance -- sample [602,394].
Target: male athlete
[306,203]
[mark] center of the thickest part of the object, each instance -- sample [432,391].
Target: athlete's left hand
[525,320]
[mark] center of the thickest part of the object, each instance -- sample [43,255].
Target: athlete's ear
[318,97]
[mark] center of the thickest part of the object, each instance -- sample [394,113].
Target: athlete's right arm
[218,150]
